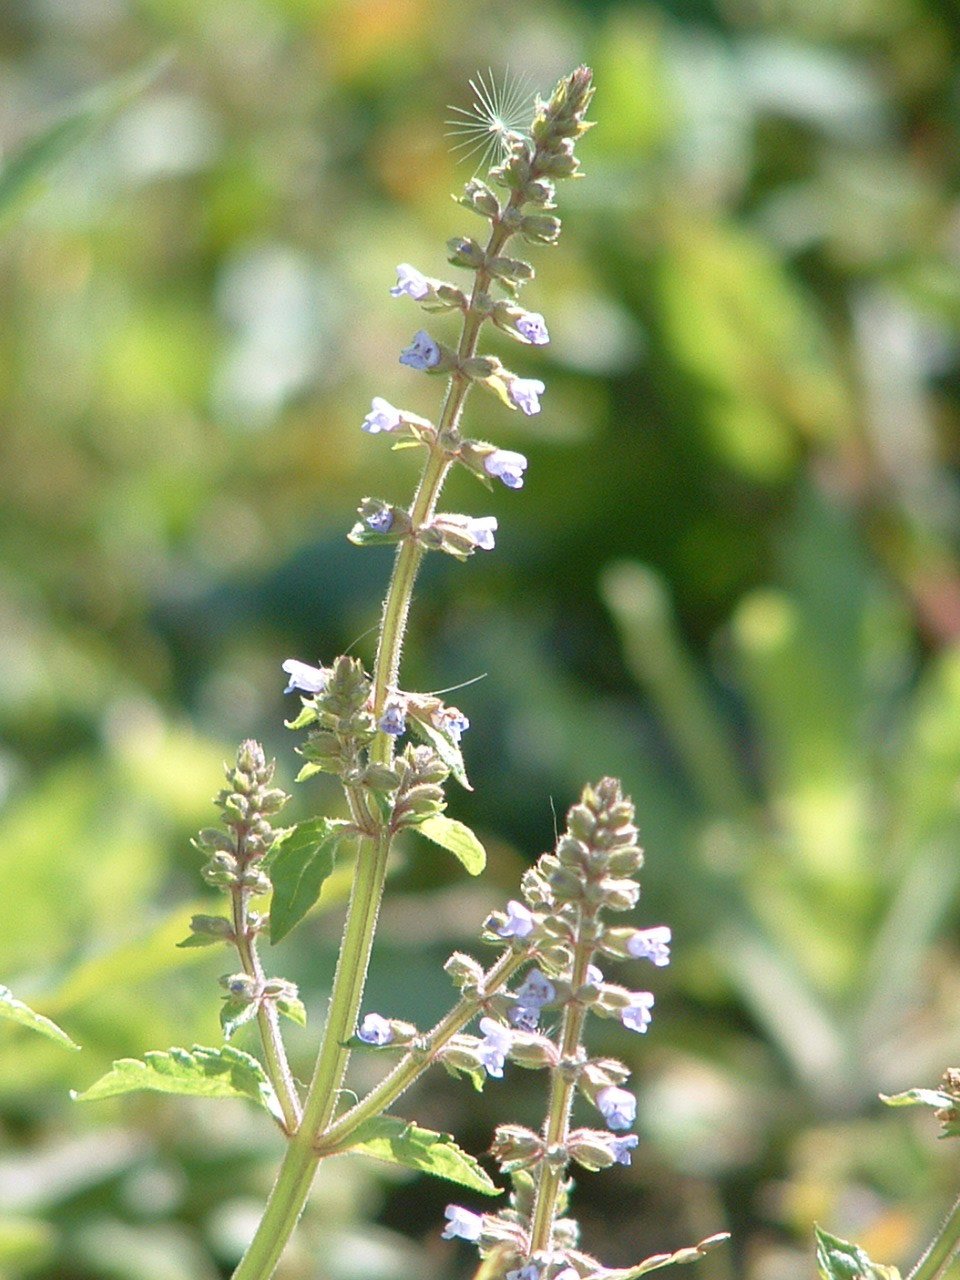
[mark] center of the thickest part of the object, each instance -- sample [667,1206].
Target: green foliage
[199,1073]
[302,862]
[402,1142]
[839,1260]
[456,838]
[16,1011]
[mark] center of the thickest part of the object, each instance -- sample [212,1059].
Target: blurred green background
[732,579]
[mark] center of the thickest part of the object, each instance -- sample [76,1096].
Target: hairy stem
[268,1020]
[414,1063]
[941,1250]
[562,1090]
[296,1172]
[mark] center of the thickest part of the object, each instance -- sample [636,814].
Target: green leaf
[28,167]
[200,1073]
[298,871]
[445,747]
[402,1142]
[234,1013]
[293,1008]
[840,1260]
[456,838]
[920,1097]
[16,1011]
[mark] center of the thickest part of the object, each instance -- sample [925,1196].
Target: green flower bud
[464,970]
[463,251]
[478,197]
[221,870]
[532,1050]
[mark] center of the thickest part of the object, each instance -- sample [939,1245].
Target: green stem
[268,1020]
[292,1186]
[562,1090]
[942,1248]
[414,1063]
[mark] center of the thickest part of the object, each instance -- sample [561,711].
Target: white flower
[651,944]
[461,1222]
[525,394]
[617,1106]
[375,1029]
[482,529]
[410,282]
[533,328]
[308,679]
[506,466]
[637,1015]
[519,921]
[382,417]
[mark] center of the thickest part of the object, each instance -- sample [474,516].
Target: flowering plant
[549,937]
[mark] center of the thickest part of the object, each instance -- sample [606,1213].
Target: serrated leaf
[840,1260]
[457,838]
[402,1142]
[37,158]
[199,1072]
[921,1097]
[16,1011]
[298,871]
[446,748]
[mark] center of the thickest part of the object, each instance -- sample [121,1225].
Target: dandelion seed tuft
[499,110]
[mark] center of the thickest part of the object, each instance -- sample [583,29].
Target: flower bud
[478,197]
[241,986]
[515,1147]
[463,251]
[221,870]
[464,970]
[532,1050]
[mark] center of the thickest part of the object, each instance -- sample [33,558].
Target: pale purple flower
[461,1223]
[304,677]
[533,328]
[394,719]
[375,1029]
[382,417]
[410,282]
[482,529]
[617,1106]
[621,1148]
[537,989]
[525,394]
[637,1015]
[494,1046]
[422,353]
[651,944]
[594,975]
[519,922]
[568,1273]
[451,722]
[379,521]
[506,466]
[531,1271]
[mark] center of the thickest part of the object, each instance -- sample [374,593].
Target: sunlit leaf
[402,1142]
[16,1011]
[456,838]
[200,1073]
[445,747]
[840,1260]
